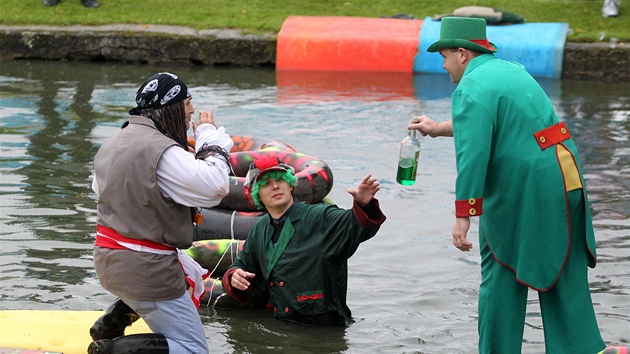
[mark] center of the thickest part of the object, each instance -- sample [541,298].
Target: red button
[281,283]
[286,309]
[270,283]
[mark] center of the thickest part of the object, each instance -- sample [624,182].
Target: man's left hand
[365,191]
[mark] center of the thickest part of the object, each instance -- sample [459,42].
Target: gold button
[472,211]
[542,139]
[563,131]
[471,201]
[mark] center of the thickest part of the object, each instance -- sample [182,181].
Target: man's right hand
[206,118]
[240,279]
[427,126]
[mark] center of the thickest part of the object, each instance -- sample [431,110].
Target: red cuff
[468,207]
[369,216]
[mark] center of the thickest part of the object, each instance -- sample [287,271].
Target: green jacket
[497,108]
[307,272]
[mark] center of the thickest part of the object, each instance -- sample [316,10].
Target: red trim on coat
[564,263]
[552,135]
[310,297]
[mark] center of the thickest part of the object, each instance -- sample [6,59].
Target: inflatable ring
[250,143]
[315,179]
[219,223]
[215,255]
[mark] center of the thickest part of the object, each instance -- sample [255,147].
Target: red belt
[110,238]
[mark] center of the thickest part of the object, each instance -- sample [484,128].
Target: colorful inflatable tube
[215,255]
[236,215]
[315,178]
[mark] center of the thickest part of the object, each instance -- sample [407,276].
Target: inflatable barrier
[399,45]
[347,44]
[538,46]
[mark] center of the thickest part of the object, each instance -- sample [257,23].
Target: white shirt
[191,182]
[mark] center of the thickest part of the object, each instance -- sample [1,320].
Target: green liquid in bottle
[406,174]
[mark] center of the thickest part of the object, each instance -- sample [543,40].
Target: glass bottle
[408,159]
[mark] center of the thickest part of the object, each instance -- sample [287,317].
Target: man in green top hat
[518,171]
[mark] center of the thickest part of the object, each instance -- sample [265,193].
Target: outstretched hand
[365,190]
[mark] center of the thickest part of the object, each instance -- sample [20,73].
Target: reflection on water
[409,289]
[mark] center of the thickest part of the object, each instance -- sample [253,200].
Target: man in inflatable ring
[518,170]
[300,250]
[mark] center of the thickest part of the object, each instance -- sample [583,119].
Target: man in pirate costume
[518,171]
[300,251]
[148,184]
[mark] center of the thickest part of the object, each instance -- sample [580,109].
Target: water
[410,290]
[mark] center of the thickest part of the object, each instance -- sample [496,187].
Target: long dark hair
[171,121]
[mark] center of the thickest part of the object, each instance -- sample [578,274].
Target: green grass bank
[266,16]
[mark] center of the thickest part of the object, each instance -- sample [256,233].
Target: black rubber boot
[113,323]
[147,343]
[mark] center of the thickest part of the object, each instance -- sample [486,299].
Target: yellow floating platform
[64,332]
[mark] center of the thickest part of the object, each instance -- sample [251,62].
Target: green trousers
[568,316]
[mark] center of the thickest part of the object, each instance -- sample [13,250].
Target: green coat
[307,272]
[497,107]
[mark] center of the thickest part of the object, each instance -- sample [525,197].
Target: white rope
[233,248]
[232,239]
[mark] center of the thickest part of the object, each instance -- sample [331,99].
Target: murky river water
[410,290]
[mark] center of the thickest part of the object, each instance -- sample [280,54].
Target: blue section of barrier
[538,46]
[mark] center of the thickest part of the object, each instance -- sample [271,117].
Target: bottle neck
[412,133]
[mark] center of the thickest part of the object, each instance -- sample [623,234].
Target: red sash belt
[551,136]
[109,238]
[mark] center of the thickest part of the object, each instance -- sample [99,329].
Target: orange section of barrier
[347,44]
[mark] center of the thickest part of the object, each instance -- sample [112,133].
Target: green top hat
[464,32]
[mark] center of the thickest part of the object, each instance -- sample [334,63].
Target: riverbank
[158,44]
